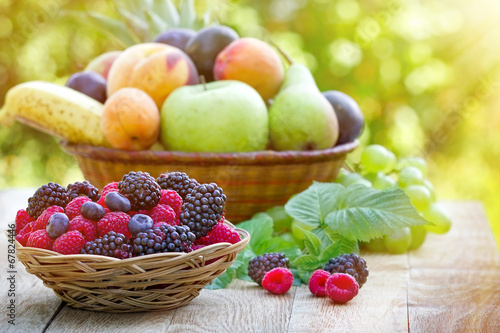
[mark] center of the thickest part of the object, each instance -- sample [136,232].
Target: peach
[102,63]
[253,62]
[131,120]
[155,68]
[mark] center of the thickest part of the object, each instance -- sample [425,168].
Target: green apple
[221,116]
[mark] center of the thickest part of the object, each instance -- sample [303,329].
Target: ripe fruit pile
[136,216]
[379,168]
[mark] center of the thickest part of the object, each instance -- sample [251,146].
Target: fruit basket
[253,182]
[154,282]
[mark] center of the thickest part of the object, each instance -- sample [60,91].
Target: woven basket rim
[264,157]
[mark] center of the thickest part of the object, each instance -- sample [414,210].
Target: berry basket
[252,182]
[154,282]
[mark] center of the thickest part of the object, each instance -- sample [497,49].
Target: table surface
[450,284]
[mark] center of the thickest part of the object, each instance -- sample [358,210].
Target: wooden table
[451,284]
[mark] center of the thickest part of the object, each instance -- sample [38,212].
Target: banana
[56,110]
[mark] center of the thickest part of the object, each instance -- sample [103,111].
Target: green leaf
[323,237]
[187,14]
[222,281]
[366,213]
[314,204]
[260,229]
[297,281]
[166,10]
[340,246]
[306,262]
[276,244]
[312,243]
[304,274]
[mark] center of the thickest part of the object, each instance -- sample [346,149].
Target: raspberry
[351,264]
[110,187]
[22,219]
[114,221]
[158,224]
[260,265]
[162,213]
[71,242]
[43,219]
[278,280]
[24,234]
[85,226]
[341,287]
[40,239]
[219,234]
[141,189]
[317,282]
[74,206]
[83,188]
[172,199]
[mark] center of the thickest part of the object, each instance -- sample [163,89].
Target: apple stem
[285,55]
[204,82]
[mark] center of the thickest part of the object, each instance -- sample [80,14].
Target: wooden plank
[454,277]
[35,304]
[380,306]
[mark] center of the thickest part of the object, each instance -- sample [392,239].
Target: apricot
[131,120]
[253,62]
[102,63]
[155,68]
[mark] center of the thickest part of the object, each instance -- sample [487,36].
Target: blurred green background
[425,73]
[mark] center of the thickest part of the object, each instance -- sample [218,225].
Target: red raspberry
[158,224]
[22,219]
[162,213]
[85,226]
[341,288]
[25,233]
[73,208]
[220,233]
[278,280]
[71,242]
[43,219]
[173,199]
[40,239]
[114,221]
[317,282]
[110,187]
[142,211]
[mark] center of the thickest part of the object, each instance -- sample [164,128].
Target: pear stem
[204,82]
[285,55]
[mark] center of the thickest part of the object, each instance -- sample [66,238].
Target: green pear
[300,117]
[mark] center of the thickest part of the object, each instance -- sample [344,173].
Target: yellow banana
[57,110]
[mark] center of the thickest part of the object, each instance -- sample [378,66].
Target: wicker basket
[252,182]
[154,282]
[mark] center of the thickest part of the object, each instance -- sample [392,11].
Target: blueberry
[92,211]
[139,223]
[57,225]
[116,202]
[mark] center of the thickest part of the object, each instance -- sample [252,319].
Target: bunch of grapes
[379,168]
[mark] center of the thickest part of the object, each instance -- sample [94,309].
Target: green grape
[410,175]
[420,196]
[282,221]
[354,178]
[376,245]
[383,181]
[415,161]
[399,242]
[418,233]
[297,226]
[430,187]
[436,215]
[377,158]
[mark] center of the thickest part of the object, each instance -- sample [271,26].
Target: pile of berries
[136,216]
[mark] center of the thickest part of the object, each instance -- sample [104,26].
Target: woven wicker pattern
[154,282]
[252,182]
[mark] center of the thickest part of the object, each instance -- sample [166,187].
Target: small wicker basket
[153,282]
[252,182]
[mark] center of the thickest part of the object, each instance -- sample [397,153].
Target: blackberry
[177,181]
[111,245]
[351,264]
[83,188]
[164,238]
[140,189]
[51,194]
[259,266]
[202,208]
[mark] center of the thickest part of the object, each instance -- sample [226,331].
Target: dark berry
[83,188]
[202,208]
[177,181]
[112,244]
[259,266]
[117,202]
[351,264]
[141,189]
[164,238]
[139,223]
[51,194]
[92,211]
[57,225]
